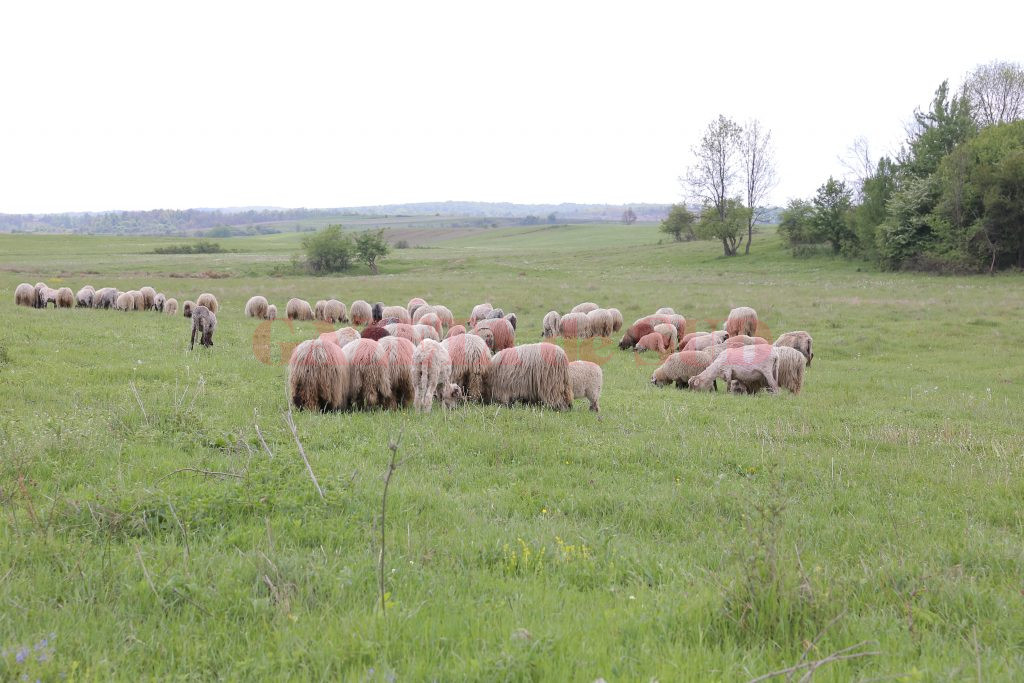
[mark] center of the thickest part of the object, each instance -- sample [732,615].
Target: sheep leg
[192,343]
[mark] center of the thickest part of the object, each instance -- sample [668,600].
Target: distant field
[678,536]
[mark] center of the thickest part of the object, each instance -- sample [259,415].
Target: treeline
[951,200]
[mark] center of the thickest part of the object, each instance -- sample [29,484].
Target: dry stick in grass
[260,435]
[392,466]
[291,425]
[814,665]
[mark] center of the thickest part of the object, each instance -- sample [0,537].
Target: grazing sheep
[318,309]
[374,332]
[65,298]
[402,330]
[204,322]
[388,321]
[600,322]
[801,341]
[415,303]
[502,330]
[397,312]
[432,320]
[471,361]
[25,295]
[298,309]
[45,295]
[533,374]
[419,311]
[431,372]
[698,341]
[40,288]
[186,308]
[105,297]
[318,376]
[85,296]
[585,307]
[479,313]
[455,331]
[586,379]
[665,311]
[125,302]
[335,312]
[396,354]
[651,342]
[159,301]
[368,386]
[208,300]
[669,333]
[494,313]
[378,311]
[426,332]
[361,312]
[342,336]
[635,333]
[616,319]
[742,320]
[170,306]
[140,299]
[749,364]
[574,326]
[487,335]
[549,326]
[680,367]
[452,396]
[445,314]
[148,295]
[256,307]
[791,368]
[271,312]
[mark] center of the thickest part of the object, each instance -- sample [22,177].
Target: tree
[328,251]
[679,223]
[831,208]
[935,133]
[1003,225]
[370,246]
[712,178]
[755,145]
[859,166]
[730,228]
[996,93]
[628,216]
[797,223]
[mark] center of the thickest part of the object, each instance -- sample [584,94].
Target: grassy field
[676,536]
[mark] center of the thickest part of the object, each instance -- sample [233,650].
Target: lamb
[171,306]
[105,297]
[586,379]
[600,323]
[318,376]
[585,307]
[271,312]
[125,302]
[742,320]
[501,329]
[669,333]
[25,295]
[159,301]
[298,309]
[651,342]
[533,374]
[455,331]
[616,319]
[361,312]
[148,295]
[204,322]
[186,308]
[635,333]
[85,296]
[471,360]
[374,332]
[396,354]
[549,326]
[479,313]
[368,386]
[397,312]
[431,372]
[574,326]
[680,367]
[748,364]
[801,341]
[65,298]
[256,307]
[208,300]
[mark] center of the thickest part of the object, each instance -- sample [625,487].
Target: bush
[402,244]
[328,251]
[200,247]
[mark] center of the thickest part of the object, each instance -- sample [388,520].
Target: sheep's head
[487,335]
[625,342]
[452,396]
[659,380]
[698,384]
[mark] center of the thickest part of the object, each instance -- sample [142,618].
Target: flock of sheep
[416,354]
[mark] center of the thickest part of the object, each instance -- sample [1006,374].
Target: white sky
[142,105]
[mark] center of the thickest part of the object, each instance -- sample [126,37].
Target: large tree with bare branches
[759,177]
[996,93]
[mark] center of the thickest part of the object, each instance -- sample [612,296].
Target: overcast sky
[147,105]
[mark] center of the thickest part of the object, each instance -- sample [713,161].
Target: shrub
[199,247]
[328,251]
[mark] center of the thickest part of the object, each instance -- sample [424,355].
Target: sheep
[677,321]
[586,379]
[600,323]
[256,307]
[361,312]
[159,301]
[25,295]
[665,311]
[585,307]
[148,295]
[742,320]
[374,332]
[419,311]
[512,319]
[397,312]
[186,308]
[318,376]
[494,313]
[531,373]
[651,342]
[318,309]
[471,361]
[801,341]
[104,297]
[367,374]
[549,326]
[445,314]
[298,309]
[669,333]
[415,303]
[378,311]
[396,354]
[125,302]
[204,322]
[636,331]
[389,321]
[455,331]
[65,298]
[791,368]
[171,306]
[487,335]
[479,313]
[748,364]
[432,320]
[404,331]
[426,332]
[574,326]
[84,297]
[208,300]
[44,295]
[502,330]
[271,312]
[335,312]
[680,367]
[698,341]
[342,336]
[140,299]
[431,372]
[616,319]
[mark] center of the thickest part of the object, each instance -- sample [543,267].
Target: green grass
[679,536]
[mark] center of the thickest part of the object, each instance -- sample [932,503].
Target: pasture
[677,536]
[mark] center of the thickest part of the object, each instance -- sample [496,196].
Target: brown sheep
[148,297]
[585,307]
[204,322]
[256,307]
[574,326]
[742,320]
[801,341]
[651,342]
[361,312]
[471,361]
[374,332]
[616,319]
[502,330]
[549,326]
[208,300]
[318,376]
[396,354]
[298,309]
[748,364]
[186,308]
[533,374]
[455,331]
[397,312]
[368,385]
[431,372]
[171,306]
[635,333]
[85,296]
[680,367]
[600,323]
[25,295]
[586,379]
[65,298]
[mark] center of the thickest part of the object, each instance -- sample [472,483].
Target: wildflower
[22,655]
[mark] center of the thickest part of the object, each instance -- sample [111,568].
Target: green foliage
[328,251]
[679,223]
[938,131]
[831,219]
[878,188]
[796,223]
[731,228]
[200,247]
[370,247]
[909,227]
